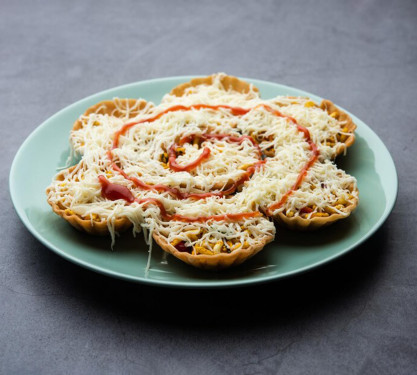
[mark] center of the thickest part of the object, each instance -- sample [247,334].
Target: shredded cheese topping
[142,153]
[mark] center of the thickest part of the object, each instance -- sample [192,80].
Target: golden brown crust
[122,108]
[212,262]
[228,83]
[90,226]
[302,224]
[348,123]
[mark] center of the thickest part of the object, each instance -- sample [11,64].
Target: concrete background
[357,315]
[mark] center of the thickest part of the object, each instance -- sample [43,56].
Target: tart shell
[121,108]
[212,262]
[228,83]
[302,224]
[330,108]
[95,227]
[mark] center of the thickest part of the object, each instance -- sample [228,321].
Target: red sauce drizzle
[184,195]
[113,191]
[176,192]
[313,158]
[306,210]
[236,111]
[180,168]
[182,248]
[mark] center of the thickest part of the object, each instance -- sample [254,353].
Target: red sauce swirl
[114,191]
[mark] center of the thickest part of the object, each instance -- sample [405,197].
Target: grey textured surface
[357,315]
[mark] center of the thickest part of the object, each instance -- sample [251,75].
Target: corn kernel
[193,234]
[236,246]
[69,212]
[289,214]
[341,200]
[309,104]
[329,210]
[245,244]
[218,246]
[203,250]
[343,137]
[334,114]
[243,167]
[96,123]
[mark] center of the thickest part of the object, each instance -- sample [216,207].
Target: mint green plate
[47,148]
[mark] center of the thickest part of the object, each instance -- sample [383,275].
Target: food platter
[38,158]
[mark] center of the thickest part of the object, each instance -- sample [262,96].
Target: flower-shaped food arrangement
[207,170]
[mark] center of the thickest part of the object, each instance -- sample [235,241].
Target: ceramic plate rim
[391,199]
